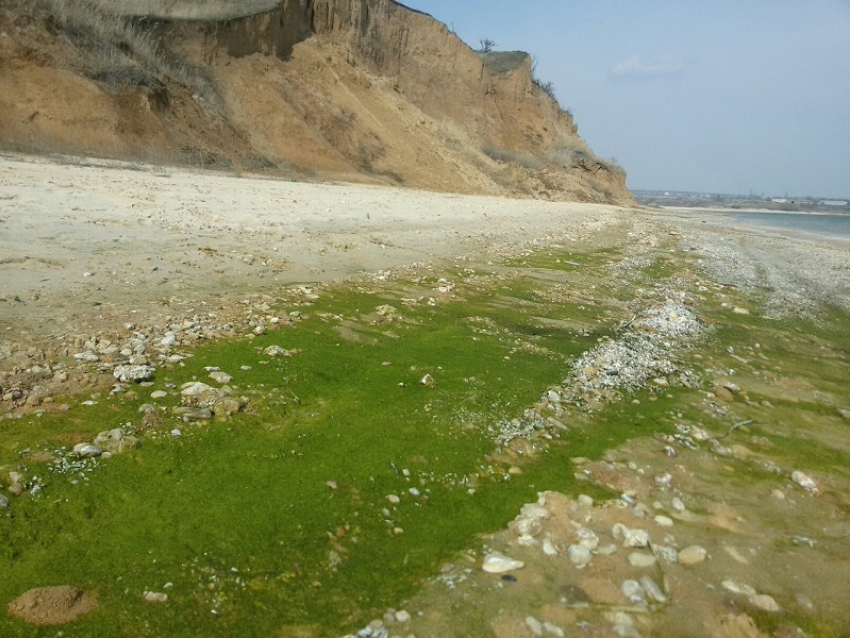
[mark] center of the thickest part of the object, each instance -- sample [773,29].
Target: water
[827,225]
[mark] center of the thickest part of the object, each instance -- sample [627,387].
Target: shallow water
[825,225]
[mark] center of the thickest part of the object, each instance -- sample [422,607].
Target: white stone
[394,499]
[637,538]
[159,394]
[663,521]
[652,590]
[637,559]
[633,591]
[579,555]
[128,373]
[805,481]
[87,450]
[195,389]
[220,377]
[677,504]
[692,555]
[534,625]
[587,538]
[155,597]
[585,500]
[402,616]
[553,630]
[549,548]
[738,588]
[764,602]
[498,564]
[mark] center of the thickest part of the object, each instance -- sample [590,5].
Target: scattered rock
[764,602]
[637,538]
[87,450]
[159,394]
[155,597]
[738,588]
[844,413]
[638,559]
[427,381]
[220,377]
[132,373]
[804,481]
[652,590]
[116,441]
[195,389]
[579,555]
[634,592]
[663,521]
[53,605]
[692,555]
[4,501]
[498,564]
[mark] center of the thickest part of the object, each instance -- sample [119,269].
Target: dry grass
[120,50]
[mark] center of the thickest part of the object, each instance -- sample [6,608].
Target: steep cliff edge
[362,90]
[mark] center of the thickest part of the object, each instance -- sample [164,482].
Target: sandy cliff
[363,90]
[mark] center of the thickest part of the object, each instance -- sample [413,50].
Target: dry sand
[85,238]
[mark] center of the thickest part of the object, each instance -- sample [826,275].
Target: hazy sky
[716,95]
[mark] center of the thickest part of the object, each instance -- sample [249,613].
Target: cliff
[362,90]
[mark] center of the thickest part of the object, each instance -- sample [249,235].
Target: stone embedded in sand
[637,559]
[579,555]
[652,590]
[637,538]
[738,588]
[805,481]
[692,555]
[634,592]
[499,564]
[663,521]
[764,602]
[52,605]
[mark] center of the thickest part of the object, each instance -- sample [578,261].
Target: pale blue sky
[720,96]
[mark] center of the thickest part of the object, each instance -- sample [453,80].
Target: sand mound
[52,605]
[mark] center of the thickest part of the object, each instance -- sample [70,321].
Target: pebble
[195,389]
[663,521]
[402,616]
[155,597]
[394,499]
[499,564]
[637,559]
[87,450]
[633,591]
[553,629]
[692,555]
[677,504]
[548,548]
[4,501]
[805,481]
[579,555]
[220,377]
[176,432]
[585,500]
[652,590]
[764,602]
[130,373]
[159,394]
[534,625]
[427,380]
[738,588]
[637,538]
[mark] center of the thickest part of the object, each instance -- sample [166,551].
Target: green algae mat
[365,454]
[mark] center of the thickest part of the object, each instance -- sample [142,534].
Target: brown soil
[376,94]
[53,605]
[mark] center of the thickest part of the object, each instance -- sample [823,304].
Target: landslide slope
[359,90]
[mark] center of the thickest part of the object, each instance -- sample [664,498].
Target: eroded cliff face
[364,90]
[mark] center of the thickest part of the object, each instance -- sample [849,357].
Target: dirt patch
[53,605]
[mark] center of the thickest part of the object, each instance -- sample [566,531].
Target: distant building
[833,202]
